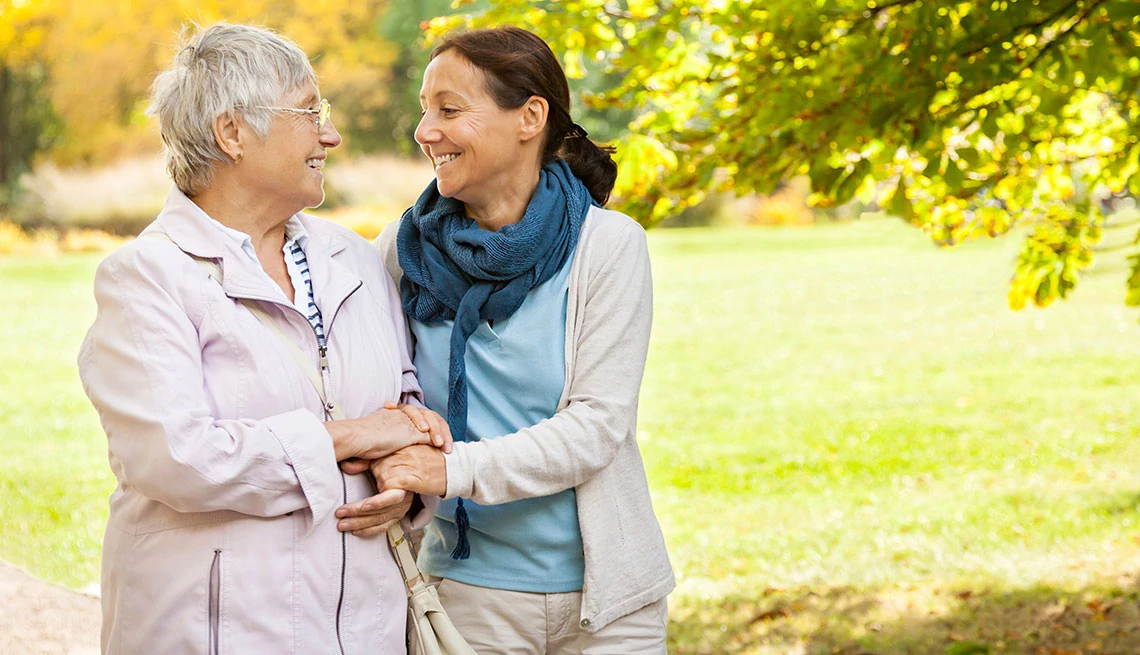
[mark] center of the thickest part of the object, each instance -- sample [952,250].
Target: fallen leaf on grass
[770,615]
[1101,608]
[1056,611]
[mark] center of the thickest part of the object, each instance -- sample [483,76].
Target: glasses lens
[323,112]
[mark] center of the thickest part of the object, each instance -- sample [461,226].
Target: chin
[448,190]
[315,200]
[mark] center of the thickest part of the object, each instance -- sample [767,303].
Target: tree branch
[1022,30]
[871,14]
[1061,35]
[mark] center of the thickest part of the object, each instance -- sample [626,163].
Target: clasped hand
[415,467]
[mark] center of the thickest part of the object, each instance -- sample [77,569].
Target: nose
[426,131]
[330,138]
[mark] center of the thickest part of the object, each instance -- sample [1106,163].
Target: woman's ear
[532,120]
[228,134]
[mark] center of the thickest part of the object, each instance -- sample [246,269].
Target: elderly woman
[531,307]
[222,536]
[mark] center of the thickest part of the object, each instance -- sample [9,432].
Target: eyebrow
[444,92]
[310,99]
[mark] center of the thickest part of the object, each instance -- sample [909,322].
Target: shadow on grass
[919,621]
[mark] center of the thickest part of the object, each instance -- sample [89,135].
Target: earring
[237,158]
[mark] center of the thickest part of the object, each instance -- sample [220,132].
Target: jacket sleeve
[600,416]
[141,366]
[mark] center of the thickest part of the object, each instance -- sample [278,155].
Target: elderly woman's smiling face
[476,146]
[286,165]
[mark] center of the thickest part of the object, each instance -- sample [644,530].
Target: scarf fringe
[462,524]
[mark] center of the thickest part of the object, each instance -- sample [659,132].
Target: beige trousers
[499,622]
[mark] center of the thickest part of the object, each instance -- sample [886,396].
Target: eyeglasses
[320,115]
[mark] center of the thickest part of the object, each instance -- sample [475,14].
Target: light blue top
[515,374]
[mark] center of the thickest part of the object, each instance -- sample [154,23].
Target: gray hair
[222,69]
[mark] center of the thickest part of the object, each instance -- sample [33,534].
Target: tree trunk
[5,129]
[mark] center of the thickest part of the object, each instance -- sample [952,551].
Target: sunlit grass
[843,420]
[54,477]
[851,406]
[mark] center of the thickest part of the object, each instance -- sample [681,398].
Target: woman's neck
[233,207]
[506,206]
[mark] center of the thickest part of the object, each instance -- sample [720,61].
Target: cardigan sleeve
[385,243]
[611,330]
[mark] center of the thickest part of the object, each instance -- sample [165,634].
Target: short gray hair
[223,68]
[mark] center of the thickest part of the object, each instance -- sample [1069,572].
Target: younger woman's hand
[421,469]
[427,421]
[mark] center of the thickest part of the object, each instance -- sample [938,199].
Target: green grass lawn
[854,445]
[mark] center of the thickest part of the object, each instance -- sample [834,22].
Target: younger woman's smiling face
[477,147]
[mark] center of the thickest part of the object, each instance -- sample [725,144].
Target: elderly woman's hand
[376,435]
[374,515]
[418,469]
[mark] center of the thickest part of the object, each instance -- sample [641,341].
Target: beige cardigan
[590,443]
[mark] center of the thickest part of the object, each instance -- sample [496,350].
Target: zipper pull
[324,352]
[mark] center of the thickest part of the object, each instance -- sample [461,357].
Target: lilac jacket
[221,536]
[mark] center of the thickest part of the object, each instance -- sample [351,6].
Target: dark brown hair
[518,65]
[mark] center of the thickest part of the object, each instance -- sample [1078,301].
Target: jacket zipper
[324,364]
[215,600]
[343,566]
[343,481]
[323,350]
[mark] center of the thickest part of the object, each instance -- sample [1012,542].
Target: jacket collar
[193,231]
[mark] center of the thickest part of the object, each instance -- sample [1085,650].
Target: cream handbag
[430,630]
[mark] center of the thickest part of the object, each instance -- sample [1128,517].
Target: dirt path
[37,618]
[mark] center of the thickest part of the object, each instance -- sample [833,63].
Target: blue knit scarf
[454,270]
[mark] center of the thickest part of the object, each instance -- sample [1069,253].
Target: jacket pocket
[215,602]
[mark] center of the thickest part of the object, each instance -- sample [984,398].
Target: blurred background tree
[74,74]
[964,118]
[28,123]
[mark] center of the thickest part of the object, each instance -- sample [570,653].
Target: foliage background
[967,118]
[855,447]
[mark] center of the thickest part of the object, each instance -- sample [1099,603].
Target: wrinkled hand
[416,468]
[374,515]
[376,435]
[427,421]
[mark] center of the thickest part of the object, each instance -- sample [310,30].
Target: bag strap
[405,558]
[310,371]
